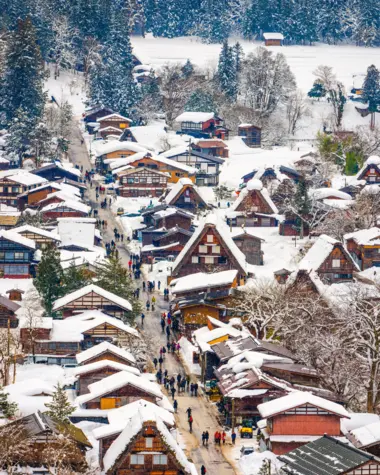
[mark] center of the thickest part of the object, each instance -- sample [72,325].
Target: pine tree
[7,408]
[371,91]
[351,163]
[227,75]
[22,87]
[60,409]
[74,278]
[318,90]
[302,204]
[112,276]
[214,25]
[238,54]
[187,69]
[20,131]
[49,278]
[200,101]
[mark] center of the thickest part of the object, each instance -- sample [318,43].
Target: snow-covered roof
[365,237]
[225,235]
[202,280]
[197,117]
[71,204]
[104,347]
[296,399]
[117,381]
[323,193]
[134,426]
[119,418]
[367,435]
[32,229]
[176,189]
[77,231]
[242,393]
[123,303]
[102,364]
[15,237]
[164,213]
[273,36]
[72,328]
[113,116]
[27,179]
[204,336]
[318,253]
[149,136]
[116,146]
[373,160]
[255,185]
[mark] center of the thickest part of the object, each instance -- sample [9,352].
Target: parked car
[246,451]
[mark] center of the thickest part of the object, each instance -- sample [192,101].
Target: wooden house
[201,125]
[146,447]
[8,218]
[74,334]
[105,351]
[208,166]
[92,297]
[184,194]
[41,237]
[366,437]
[118,419]
[4,163]
[210,248]
[170,217]
[44,441]
[298,418]
[114,150]
[114,121]
[8,309]
[193,284]
[330,260]
[96,113]
[16,255]
[282,275]
[273,39]
[364,247]
[253,207]
[31,197]
[143,181]
[250,246]
[109,132]
[118,390]
[151,137]
[214,147]
[16,182]
[250,134]
[165,243]
[307,163]
[65,209]
[15,294]
[331,456]
[91,373]
[57,171]
[290,225]
[160,163]
[370,172]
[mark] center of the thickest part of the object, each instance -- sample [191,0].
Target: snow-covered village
[189,237]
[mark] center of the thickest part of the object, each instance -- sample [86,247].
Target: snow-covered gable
[118,418]
[116,163]
[197,117]
[116,381]
[17,238]
[113,116]
[255,185]
[177,189]
[273,36]
[299,398]
[27,179]
[204,336]
[365,237]
[123,303]
[104,347]
[116,146]
[69,204]
[225,235]
[201,280]
[32,229]
[373,161]
[149,136]
[102,364]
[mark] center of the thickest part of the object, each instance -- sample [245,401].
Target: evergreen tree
[351,163]
[200,101]
[318,90]
[22,85]
[371,91]
[112,276]
[49,278]
[215,24]
[369,22]
[74,278]
[187,69]
[302,204]
[238,55]
[60,409]
[20,130]
[7,408]
[227,74]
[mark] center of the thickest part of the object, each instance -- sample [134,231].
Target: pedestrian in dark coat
[160,360]
[190,420]
[196,389]
[155,361]
[207,437]
[233,437]
[175,405]
[188,411]
[192,389]
[173,390]
[203,470]
[203,438]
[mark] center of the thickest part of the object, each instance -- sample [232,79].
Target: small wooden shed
[273,39]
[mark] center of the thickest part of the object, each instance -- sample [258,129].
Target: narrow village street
[204,414]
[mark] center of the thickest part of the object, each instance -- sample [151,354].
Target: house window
[222,260]
[372,178]
[372,170]
[14,189]
[209,260]
[137,459]
[203,249]
[160,459]
[179,174]
[19,255]
[336,263]
[1,189]
[136,180]
[194,259]
[130,181]
[210,238]
[149,442]
[216,249]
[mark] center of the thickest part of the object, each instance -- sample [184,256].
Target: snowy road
[204,414]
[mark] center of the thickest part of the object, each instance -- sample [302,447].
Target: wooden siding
[364,256]
[254,202]
[120,397]
[330,274]
[85,380]
[250,246]
[307,424]
[188,199]
[174,172]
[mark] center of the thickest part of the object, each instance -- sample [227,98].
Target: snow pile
[254,184]
[197,117]
[77,231]
[367,435]
[17,238]
[373,160]
[252,463]
[103,364]
[365,237]
[201,280]
[323,193]
[187,351]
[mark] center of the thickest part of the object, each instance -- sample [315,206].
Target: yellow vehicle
[120,211]
[246,430]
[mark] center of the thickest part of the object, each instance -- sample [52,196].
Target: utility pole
[233,414]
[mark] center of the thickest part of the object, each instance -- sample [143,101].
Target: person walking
[173,391]
[196,389]
[207,435]
[155,361]
[203,470]
[142,320]
[153,302]
[190,420]
[168,331]
[233,437]
[160,361]
[203,438]
[224,438]
[163,325]
[147,305]
[188,411]
[192,389]
[188,382]
[159,284]
[175,405]
[143,285]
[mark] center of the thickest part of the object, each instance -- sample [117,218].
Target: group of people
[118,236]
[220,437]
[101,223]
